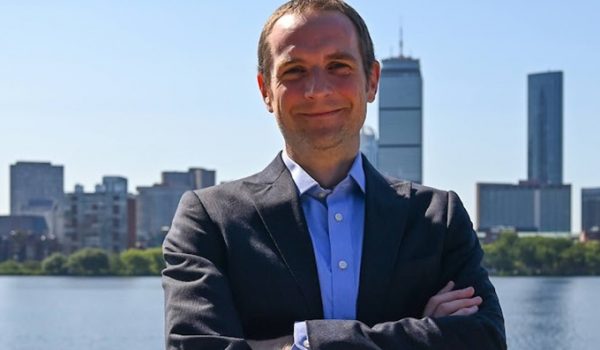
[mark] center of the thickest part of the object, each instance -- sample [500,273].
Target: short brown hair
[365,43]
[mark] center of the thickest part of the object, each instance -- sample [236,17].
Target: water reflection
[57,313]
[63,313]
[545,313]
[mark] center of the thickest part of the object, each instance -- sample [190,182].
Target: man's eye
[293,70]
[340,67]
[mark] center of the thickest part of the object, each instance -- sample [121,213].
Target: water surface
[63,313]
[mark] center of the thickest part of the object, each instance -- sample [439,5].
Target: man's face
[318,90]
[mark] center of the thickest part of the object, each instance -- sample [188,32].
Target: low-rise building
[526,207]
[25,237]
[590,213]
[98,219]
[156,205]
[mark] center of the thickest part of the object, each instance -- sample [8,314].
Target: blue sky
[133,88]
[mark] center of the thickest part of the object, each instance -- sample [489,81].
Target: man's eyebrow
[339,55]
[290,61]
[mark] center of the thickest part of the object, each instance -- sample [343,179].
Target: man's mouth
[322,113]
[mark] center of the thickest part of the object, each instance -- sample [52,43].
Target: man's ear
[373,82]
[264,91]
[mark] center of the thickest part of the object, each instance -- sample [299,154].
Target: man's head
[265,61]
[316,80]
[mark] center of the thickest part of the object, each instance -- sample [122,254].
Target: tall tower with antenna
[401,117]
[401,42]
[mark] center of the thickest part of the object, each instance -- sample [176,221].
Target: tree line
[510,255]
[91,262]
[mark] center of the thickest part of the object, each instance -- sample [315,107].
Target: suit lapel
[278,205]
[386,212]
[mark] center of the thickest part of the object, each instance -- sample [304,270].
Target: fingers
[448,287]
[451,307]
[433,303]
[447,302]
[466,311]
[452,295]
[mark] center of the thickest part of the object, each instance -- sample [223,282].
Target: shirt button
[306,344]
[339,217]
[342,264]
[322,194]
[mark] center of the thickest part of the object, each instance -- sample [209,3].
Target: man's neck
[328,168]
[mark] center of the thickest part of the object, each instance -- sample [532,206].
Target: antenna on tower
[401,40]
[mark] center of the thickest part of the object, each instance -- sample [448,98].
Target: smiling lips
[321,114]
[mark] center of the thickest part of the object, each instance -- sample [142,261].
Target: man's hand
[448,302]
[283,343]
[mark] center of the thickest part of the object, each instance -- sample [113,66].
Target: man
[319,250]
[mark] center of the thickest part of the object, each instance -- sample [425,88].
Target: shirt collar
[305,182]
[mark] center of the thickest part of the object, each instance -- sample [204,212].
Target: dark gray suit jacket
[240,265]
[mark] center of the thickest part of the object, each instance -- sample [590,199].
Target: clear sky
[133,88]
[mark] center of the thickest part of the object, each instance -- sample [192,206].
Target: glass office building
[401,119]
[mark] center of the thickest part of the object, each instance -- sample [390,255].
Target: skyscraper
[400,119]
[368,144]
[38,189]
[590,209]
[543,202]
[545,127]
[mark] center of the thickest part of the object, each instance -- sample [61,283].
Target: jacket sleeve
[199,310]
[461,262]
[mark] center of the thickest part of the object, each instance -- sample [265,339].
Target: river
[63,313]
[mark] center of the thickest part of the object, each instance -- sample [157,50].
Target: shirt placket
[341,262]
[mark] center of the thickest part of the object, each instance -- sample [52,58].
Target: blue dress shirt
[335,219]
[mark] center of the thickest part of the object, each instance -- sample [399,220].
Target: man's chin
[325,143]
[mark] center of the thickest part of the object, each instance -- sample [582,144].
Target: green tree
[540,255]
[499,256]
[31,267]
[510,255]
[136,262]
[88,262]
[55,264]
[116,264]
[10,267]
[572,260]
[158,262]
[592,257]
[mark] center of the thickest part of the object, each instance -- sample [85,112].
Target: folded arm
[461,263]
[200,311]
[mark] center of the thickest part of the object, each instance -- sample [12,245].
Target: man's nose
[317,84]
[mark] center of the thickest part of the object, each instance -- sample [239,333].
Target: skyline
[137,88]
